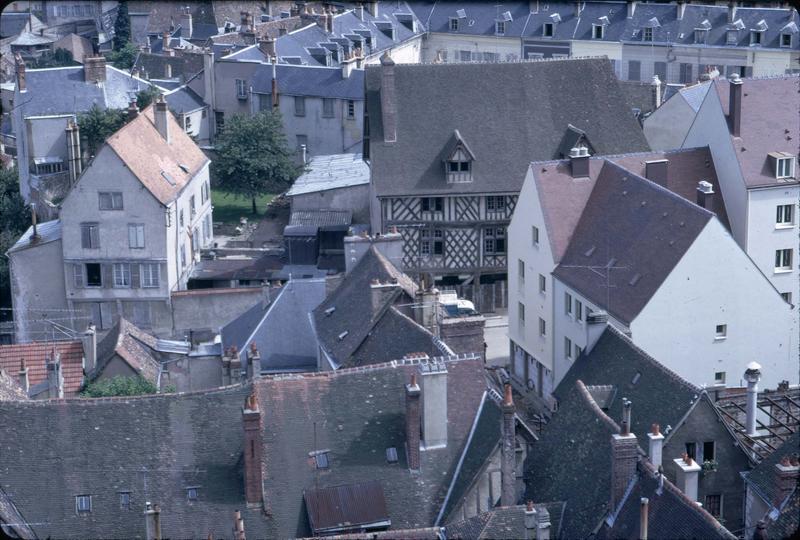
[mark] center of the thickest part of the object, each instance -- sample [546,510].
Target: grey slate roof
[13,23]
[394,335]
[12,523]
[74,94]
[320,218]
[479,20]
[336,171]
[638,228]
[238,331]
[503,522]
[762,477]
[184,100]
[509,113]
[310,81]
[49,231]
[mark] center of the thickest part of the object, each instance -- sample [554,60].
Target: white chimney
[752,375]
[160,117]
[644,506]
[596,322]
[688,472]
[656,445]
[434,405]
[543,525]
[704,192]
[90,348]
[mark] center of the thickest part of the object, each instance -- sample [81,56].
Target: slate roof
[48,231]
[134,346]
[27,39]
[37,353]
[145,152]
[320,218]
[74,94]
[769,106]
[238,331]
[356,415]
[762,477]
[266,29]
[788,523]
[264,267]
[12,523]
[505,141]
[670,513]
[184,100]
[637,228]
[479,20]
[310,81]
[323,173]
[13,23]
[342,329]
[503,522]
[394,335]
[10,390]
[185,64]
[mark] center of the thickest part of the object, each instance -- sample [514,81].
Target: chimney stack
[152,517]
[133,110]
[167,70]
[731,11]
[688,472]
[20,64]
[254,361]
[787,472]
[89,340]
[596,322]
[73,150]
[245,27]
[94,69]
[238,526]
[656,171]
[427,305]
[656,445]
[359,11]
[55,378]
[530,521]
[579,162]
[251,418]
[275,99]
[508,474]
[412,423]
[165,42]
[735,105]
[656,89]
[348,64]
[186,24]
[24,382]
[644,508]
[704,194]
[624,453]
[434,405]
[631,8]
[388,99]
[267,47]
[752,375]
[160,117]
[464,335]
[379,292]
[35,233]
[543,523]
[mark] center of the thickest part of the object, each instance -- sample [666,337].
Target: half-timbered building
[447,172]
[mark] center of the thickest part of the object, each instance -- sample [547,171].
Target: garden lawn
[229,208]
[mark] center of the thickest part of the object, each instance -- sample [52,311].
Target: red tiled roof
[36,355]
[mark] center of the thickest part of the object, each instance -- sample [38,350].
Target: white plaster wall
[190,224]
[47,136]
[509,48]
[612,50]
[666,128]
[408,52]
[771,62]
[336,135]
[716,283]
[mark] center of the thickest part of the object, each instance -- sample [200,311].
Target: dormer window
[547,29]
[755,37]
[458,164]
[700,35]
[598,31]
[786,40]
[782,164]
[500,27]
[732,37]
[647,34]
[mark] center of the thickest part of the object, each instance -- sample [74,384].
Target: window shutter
[86,241]
[107,275]
[94,231]
[77,270]
[135,281]
[132,236]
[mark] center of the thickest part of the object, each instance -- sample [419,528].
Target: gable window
[495,203]
[784,167]
[432,204]
[783,260]
[431,242]
[499,27]
[90,235]
[755,37]
[719,377]
[535,235]
[714,505]
[241,89]
[122,275]
[83,503]
[110,200]
[578,351]
[708,451]
[598,31]
[568,304]
[547,29]
[647,34]
[568,348]
[786,40]
[351,108]
[785,214]
[125,500]
[732,37]
[721,331]
[542,284]
[327,107]
[459,170]
[187,124]
[453,24]
[299,106]
[494,240]
[149,274]
[136,235]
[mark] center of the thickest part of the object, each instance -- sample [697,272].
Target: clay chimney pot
[655,429]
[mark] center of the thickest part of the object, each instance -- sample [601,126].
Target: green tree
[119,386]
[98,124]
[145,97]
[14,219]
[122,27]
[124,57]
[253,158]
[60,58]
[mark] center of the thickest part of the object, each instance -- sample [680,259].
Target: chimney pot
[705,190]
[656,445]
[752,375]
[23,376]
[20,68]
[579,162]
[688,473]
[643,517]
[152,516]
[251,418]
[624,455]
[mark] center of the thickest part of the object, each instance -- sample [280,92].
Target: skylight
[184,168]
[461,13]
[330,311]
[343,335]
[168,178]
[391,454]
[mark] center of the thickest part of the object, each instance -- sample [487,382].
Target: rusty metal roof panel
[347,507]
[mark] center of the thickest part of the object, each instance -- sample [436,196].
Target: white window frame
[81,508]
[113,200]
[784,167]
[568,304]
[500,28]
[454,24]
[720,332]
[136,235]
[595,32]
[784,217]
[719,380]
[647,34]
[578,310]
[756,40]
[241,88]
[783,260]
[121,273]
[567,348]
[150,275]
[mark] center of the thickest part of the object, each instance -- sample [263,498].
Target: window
[110,200]
[784,214]
[598,31]
[578,310]
[500,27]
[547,30]
[453,24]
[432,204]
[708,451]
[50,165]
[219,121]
[660,70]
[721,331]
[299,106]
[647,34]
[783,259]
[122,275]
[578,351]
[700,36]
[327,107]
[457,166]
[321,460]
[521,270]
[568,304]
[542,327]
[755,37]
[495,202]
[391,454]
[542,284]
[124,500]
[634,70]
[431,242]
[685,73]
[83,503]
[691,450]
[732,37]
[784,168]
[183,255]
[136,235]
[458,172]
[351,108]
[491,57]
[714,505]
[192,210]
[494,240]
[535,235]
[786,40]
[568,348]
[149,274]
[94,275]
[521,310]
[191,493]
[719,377]
[787,296]
[90,235]
[241,89]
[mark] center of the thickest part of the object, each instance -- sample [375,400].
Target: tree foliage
[124,57]
[253,157]
[145,97]
[98,124]
[122,27]
[119,386]
[14,218]
[59,58]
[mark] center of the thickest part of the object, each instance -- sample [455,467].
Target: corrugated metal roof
[346,508]
[321,218]
[47,231]
[331,172]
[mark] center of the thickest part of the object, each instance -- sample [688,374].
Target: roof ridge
[671,151]
[482,63]
[587,397]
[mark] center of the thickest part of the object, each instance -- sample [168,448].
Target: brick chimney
[55,378]
[624,453]
[160,119]
[735,105]
[20,67]
[579,162]
[656,445]
[508,474]
[413,429]
[238,526]
[73,137]
[133,110]
[152,518]
[89,340]
[656,171]
[688,473]
[752,375]
[254,361]
[388,99]
[596,322]
[464,335]
[24,382]
[434,405]
[251,418]
[705,192]
[787,472]
[94,69]
[267,47]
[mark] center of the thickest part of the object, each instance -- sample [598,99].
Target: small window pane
[322,460]
[83,503]
[124,501]
[327,107]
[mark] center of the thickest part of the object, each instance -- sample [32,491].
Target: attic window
[168,177]
[636,377]
[459,163]
[454,24]
[547,29]
[343,335]
[732,37]
[500,27]
[700,35]
[755,37]
[191,493]
[647,34]
[321,460]
[391,454]
[330,310]
[782,164]
[598,31]
[83,504]
[786,40]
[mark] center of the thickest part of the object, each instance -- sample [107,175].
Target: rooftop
[337,171]
[312,81]
[48,231]
[37,353]
[134,346]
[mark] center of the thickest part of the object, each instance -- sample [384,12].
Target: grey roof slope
[134,346]
[310,81]
[394,335]
[503,522]
[48,231]
[335,171]
[479,20]
[238,331]
[762,477]
[14,22]
[184,100]
[12,524]
[509,113]
[637,227]
[356,415]
[154,447]
[74,94]
[344,320]
[788,523]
